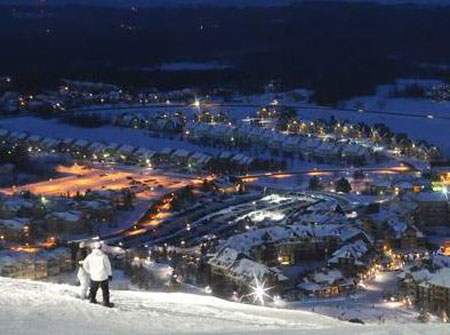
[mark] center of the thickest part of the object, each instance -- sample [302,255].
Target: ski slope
[34,308]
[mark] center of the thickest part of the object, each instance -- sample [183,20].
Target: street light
[196,103]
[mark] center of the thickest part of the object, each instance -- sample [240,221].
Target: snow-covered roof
[112,146]
[441,278]
[97,147]
[69,216]
[15,204]
[246,241]
[81,143]
[181,153]
[166,151]
[127,149]
[309,286]
[145,152]
[35,138]
[68,141]
[50,142]
[224,258]
[353,251]
[14,224]
[247,269]
[328,277]
[18,135]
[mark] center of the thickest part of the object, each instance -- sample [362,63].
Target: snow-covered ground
[368,304]
[35,308]
[418,106]
[377,109]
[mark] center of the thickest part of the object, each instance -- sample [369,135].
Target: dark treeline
[338,50]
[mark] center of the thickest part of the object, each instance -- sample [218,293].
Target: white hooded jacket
[97,265]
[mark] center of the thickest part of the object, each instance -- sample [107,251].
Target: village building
[17,137]
[428,288]
[353,258]
[70,222]
[433,209]
[326,284]
[12,207]
[34,263]
[240,272]
[400,235]
[125,153]
[13,229]
[50,144]
[145,157]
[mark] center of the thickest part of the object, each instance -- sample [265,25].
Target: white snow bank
[34,308]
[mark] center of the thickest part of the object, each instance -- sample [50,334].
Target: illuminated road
[148,184]
[315,108]
[401,169]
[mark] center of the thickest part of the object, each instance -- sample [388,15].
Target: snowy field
[35,308]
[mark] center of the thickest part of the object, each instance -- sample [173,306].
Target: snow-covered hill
[36,308]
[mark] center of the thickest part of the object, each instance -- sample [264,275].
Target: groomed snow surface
[28,307]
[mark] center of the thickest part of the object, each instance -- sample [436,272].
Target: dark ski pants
[94,288]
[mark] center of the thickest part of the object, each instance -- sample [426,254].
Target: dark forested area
[339,50]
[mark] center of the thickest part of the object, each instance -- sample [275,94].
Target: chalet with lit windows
[145,157]
[401,235]
[66,145]
[13,229]
[326,284]
[238,271]
[125,153]
[96,150]
[433,209]
[353,258]
[428,287]
[79,148]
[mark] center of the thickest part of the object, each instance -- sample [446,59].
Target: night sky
[215,2]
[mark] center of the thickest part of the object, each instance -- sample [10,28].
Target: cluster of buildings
[426,283]
[78,94]
[31,228]
[331,252]
[332,249]
[26,218]
[127,154]
[35,263]
[298,146]
[378,137]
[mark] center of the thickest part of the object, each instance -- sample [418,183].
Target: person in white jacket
[98,267]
